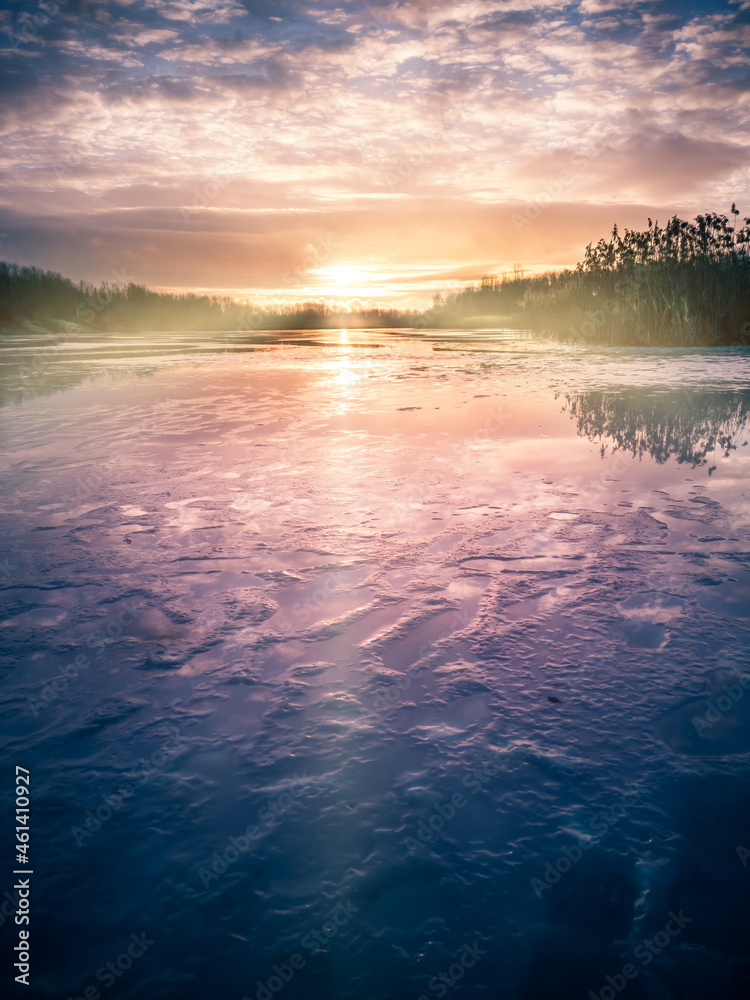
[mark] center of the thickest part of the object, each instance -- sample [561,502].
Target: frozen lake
[344,661]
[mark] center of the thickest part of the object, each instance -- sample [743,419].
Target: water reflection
[41,365]
[694,427]
[392,569]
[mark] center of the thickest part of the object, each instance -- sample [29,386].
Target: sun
[346,275]
[342,275]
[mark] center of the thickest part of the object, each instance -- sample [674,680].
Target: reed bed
[686,283]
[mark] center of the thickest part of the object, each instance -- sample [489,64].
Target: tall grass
[685,283]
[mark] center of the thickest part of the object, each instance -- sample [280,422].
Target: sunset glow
[280,151]
[375,449]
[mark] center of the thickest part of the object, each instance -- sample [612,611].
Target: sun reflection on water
[343,372]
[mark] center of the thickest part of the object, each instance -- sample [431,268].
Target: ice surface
[356,577]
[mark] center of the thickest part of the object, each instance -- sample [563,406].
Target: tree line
[684,283]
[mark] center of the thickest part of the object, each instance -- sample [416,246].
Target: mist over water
[378,665]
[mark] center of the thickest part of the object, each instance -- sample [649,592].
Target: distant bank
[683,284]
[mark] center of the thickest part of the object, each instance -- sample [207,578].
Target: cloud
[372,116]
[605,6]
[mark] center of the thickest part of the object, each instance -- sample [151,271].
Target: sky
[361,154]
